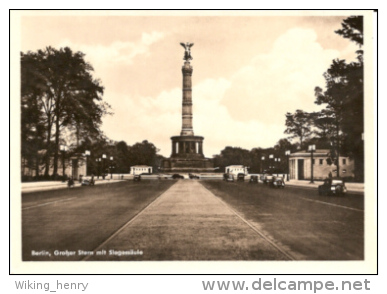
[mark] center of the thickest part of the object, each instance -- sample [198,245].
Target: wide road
[80,218]
[191,220]
[309,226]
[188,222]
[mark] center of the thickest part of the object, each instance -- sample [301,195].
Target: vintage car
[253,180]
[267,179]
[193,176]
[88,182]
[137,178]
[177,176]
[228,177]
[241,177]
[277,182]
[332,187]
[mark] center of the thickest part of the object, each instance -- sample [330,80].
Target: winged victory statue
[187,53]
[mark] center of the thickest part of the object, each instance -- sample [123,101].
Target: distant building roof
[316,153]
[141,166]
[305,153]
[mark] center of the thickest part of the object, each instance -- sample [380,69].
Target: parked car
[241,177]
[228,177]
[332,187]
[137,178]
[267,179]
[193,176]
[277,182]
[177,176]
[88,182]
[254,180]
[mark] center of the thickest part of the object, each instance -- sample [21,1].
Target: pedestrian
[70,182]
[330,177]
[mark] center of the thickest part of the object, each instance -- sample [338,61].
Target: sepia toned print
[223,138]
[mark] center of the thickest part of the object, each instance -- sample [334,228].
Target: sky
[248,71]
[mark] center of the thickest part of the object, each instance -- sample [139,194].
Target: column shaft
[187,129]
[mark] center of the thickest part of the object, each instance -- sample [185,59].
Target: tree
[352,28]
[353,117]
[298,125]
[66,94]
[256,160]
[32,128]
[233,156]
[144,153]
[344,98]
[37,106]
[323,123]
[279,150]
[334,98]
[122,157]
[268,163]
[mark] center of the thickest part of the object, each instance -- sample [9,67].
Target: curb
[62,186]
[315,188]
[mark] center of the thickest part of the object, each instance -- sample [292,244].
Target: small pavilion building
[300,165]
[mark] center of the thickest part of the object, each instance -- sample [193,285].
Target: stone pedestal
[187,156]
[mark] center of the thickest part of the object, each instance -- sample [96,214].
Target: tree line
[258,159]
[120,156]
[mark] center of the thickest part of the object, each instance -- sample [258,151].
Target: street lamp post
[262,161]
[63,149]
[287,153]
[311,149]
[111,167]
[276,163]
[103,165]
[87,154]
[279,164]
[98,160]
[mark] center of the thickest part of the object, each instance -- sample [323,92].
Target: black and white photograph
[193,141]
